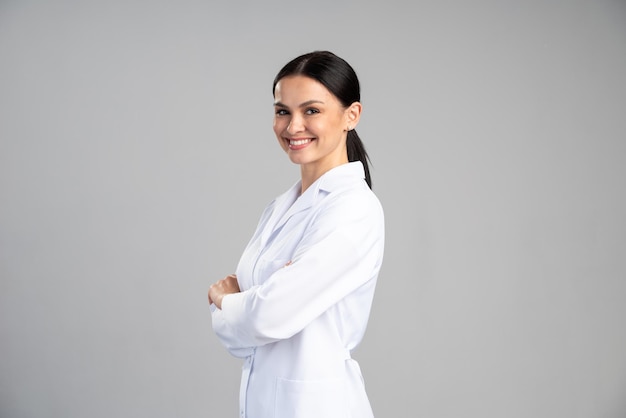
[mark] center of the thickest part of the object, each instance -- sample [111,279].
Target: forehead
[297,89]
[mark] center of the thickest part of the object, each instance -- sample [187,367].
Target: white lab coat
[307,280]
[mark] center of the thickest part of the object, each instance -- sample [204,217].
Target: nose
[296,124]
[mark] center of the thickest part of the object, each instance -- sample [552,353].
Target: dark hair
[341,80]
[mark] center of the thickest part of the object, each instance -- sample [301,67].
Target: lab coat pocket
[311,398]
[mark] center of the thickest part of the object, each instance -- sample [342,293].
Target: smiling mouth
[295,144]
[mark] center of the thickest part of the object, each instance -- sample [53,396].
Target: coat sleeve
[227,335]
[340,251]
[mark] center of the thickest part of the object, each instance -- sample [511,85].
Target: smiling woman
[301,296]
[311,125]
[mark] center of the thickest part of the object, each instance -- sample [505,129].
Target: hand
[221,288]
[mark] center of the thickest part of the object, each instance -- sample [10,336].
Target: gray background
[137,153]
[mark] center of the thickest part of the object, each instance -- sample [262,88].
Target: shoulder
[360,199]
[354,203]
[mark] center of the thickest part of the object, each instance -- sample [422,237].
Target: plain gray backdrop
[136,155]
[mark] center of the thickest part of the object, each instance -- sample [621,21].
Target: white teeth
[298,142]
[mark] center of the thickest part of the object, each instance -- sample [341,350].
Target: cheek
[278,126]
[278,129]
[281,142]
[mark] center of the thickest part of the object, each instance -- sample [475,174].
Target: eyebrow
[305,104]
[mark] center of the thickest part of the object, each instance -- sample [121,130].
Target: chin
[296,160]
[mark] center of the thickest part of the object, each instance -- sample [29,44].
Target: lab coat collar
[334,179]
[341,176]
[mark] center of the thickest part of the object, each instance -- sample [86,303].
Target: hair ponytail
[341,80]
[356,152]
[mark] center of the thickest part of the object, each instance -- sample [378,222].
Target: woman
[301,296]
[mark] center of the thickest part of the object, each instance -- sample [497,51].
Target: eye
[281,112]
[311,111]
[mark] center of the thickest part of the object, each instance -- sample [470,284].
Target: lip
[295,144]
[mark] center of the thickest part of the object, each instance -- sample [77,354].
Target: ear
[353,115]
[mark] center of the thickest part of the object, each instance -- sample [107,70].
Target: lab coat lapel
[302,203]
[333,179]
[285,206]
